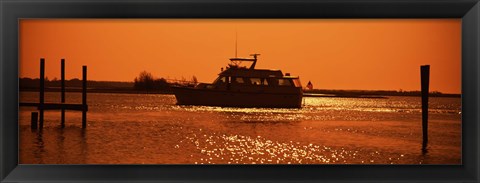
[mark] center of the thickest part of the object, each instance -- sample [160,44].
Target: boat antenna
[236,43]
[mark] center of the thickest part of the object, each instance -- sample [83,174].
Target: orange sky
[368,54]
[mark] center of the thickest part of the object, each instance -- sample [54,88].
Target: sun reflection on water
[152,129]
[313,108]
[241,149]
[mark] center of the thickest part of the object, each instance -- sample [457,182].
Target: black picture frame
[11,11]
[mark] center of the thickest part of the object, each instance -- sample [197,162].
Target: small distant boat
[239,86]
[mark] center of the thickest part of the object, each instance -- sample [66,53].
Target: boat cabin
[240,76]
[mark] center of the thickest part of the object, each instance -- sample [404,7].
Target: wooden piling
[84,97]
[62,83]
[42,90]
[34,121]
[38,119]
[425,77]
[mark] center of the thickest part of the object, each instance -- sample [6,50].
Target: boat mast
[236,43]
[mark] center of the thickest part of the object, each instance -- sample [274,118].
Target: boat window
[220,80]
[273,81]
[239,80]
[297,82]
[264,82]
[285,82]
[210,86]
[258,81]
[255,81]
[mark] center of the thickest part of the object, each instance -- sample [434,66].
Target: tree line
[145,81]
[34,83]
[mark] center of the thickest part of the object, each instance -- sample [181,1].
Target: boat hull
[225,98]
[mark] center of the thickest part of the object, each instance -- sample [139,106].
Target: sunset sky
[370,54]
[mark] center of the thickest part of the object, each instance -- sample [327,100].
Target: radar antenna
[254,55]
[254,60]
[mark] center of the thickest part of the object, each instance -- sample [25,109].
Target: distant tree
[75,82]
[161,84]
[29,83]
[144,81]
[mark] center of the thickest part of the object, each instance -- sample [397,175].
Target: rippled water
[151,129]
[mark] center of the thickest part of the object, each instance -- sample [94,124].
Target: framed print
[239,91]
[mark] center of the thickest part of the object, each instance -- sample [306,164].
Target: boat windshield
[241,63]
[284,82]
[220,80]
[290,82]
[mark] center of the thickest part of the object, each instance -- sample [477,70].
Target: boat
[239,86]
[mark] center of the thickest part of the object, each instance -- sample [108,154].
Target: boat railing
[236,61]
[182,83]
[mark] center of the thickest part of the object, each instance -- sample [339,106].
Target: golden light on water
[240,149]
[151,129]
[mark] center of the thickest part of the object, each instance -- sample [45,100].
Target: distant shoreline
[95,90]
[75,85]
[375,93]
[318,93]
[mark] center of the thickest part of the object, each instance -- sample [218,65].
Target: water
[151,129]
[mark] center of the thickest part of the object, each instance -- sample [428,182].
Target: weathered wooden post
[425,77]
[42,106]
[84,97]
[34,121]
[62,83]
[42,90]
